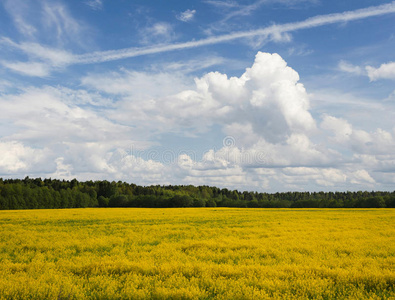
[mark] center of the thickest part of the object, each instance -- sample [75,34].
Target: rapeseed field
[197,253]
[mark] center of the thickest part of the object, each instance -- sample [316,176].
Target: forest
[36,193]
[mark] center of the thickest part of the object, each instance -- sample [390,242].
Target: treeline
[36,193]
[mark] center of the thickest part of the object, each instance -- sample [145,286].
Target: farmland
[197,253]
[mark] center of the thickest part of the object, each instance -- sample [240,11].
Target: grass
[201,253]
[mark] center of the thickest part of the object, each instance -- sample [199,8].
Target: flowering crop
[197,253]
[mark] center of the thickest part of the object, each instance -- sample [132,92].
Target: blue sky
[266,95]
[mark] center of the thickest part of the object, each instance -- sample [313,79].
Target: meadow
[197,253]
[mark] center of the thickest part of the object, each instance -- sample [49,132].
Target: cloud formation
[187,15]
[349,68]
[385,71]
[95,4]
[269,32]
[266,139]
[66,28]
[50,17]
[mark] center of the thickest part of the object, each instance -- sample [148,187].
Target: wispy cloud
[59,22]
[274,30]
[186,16]
[19,13]
[222,4]
[245,10]
[55,57]
[385,71]
[60,58]
[238,10]
[160,32]
[95,4]
[45,21]
[349,68]
[35,69]
[195,64]
[42,60]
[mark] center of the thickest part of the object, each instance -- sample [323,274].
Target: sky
[257,95]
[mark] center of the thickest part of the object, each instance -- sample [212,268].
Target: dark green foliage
[52,193]
[102,201]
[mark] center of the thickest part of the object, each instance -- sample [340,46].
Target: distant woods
[52,193]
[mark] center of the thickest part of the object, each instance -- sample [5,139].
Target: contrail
[321,20]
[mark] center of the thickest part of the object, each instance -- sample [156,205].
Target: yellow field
[192,253]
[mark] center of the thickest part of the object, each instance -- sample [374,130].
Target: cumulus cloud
[361,177]
[265,108]
[56,117]
[321,176]
[385,71]
[266,113]
[16,158]
[268,95]
[51,132]
[377,142]
[270,143]
[341,128]
[187,15]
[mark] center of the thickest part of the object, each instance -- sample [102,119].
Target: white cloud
[299,51]
[268,95]
[95,4]
[16,158]
[96,132]
[19,12]
[349,68]
[4,85]
[39,115]
[70,140]
[376,142]
[385,71]
[321,176]
[361,177]
[195,64]
[57,20]
[35,69]
[52,56]
[265,109]
[187,15]
[222,4]
[341,128]
[137,85]
[242,10]
[391,97]
[42,60]
[271,31]
[160,32]
[39,20]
